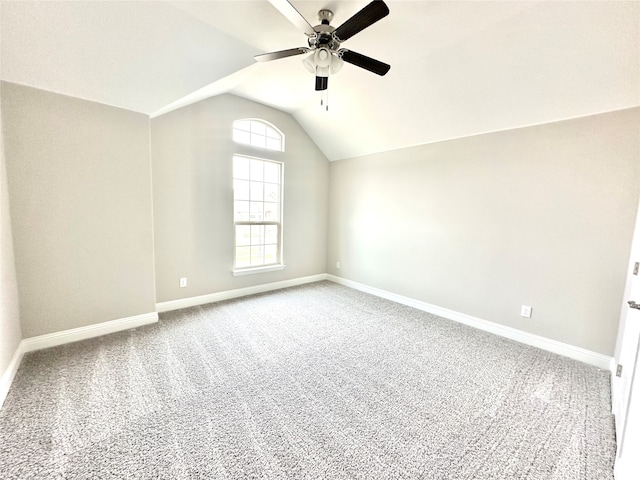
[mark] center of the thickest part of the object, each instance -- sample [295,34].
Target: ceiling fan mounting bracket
[325,16]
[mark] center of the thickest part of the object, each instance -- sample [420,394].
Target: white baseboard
[10,373]
[592,358]
[239,292]
[90,331]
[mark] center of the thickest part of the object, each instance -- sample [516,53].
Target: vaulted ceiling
[458,68]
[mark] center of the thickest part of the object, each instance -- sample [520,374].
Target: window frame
[279,264]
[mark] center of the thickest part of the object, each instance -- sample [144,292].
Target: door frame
[628,418]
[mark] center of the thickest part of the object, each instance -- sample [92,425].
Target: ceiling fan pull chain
[324,99]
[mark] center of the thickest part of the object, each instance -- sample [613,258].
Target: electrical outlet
[183,282]
[525,311]
[337,264]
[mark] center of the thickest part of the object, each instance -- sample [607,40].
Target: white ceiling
[458,68]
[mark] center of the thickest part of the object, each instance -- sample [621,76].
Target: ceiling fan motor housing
[324,33]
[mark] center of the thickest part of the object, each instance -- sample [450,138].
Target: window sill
[252,271]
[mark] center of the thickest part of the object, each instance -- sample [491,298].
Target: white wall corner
[239,292]
[586,356]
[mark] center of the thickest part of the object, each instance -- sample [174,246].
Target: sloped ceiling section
[136,55]
[457,68]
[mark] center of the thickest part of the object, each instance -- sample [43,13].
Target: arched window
[258,133]
[257,199]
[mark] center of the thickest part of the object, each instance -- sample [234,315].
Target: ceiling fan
[324,41]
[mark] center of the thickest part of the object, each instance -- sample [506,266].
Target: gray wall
[80,194]
[10,333]
[541,216]
[193,198]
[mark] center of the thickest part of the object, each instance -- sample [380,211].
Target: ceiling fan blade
[365,62]
[293,15]
[366,17]
[267,57]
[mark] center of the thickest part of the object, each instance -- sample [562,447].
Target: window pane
[258,140]
[241,167]
[241,211]
[271,133]
[271,172]
[270,253]
[241,190]
[274,144]
[257,189]
[258,134]
[271,234]
[257,234]
[243,233]
[257,170]
[271,192]
[243,257]
[255,214]
[259,128]
[257,255]
[242,125]
[271,212]
[241,136]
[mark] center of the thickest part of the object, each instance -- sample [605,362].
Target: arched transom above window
[258,133]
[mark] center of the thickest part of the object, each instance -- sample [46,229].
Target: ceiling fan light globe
[310,64]
[322,57]
[336,64]
[322,71]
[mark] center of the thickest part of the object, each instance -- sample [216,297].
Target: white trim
[593,358]
[9,374]
[240,292]
[82,333]
[613,382]
[252,271]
